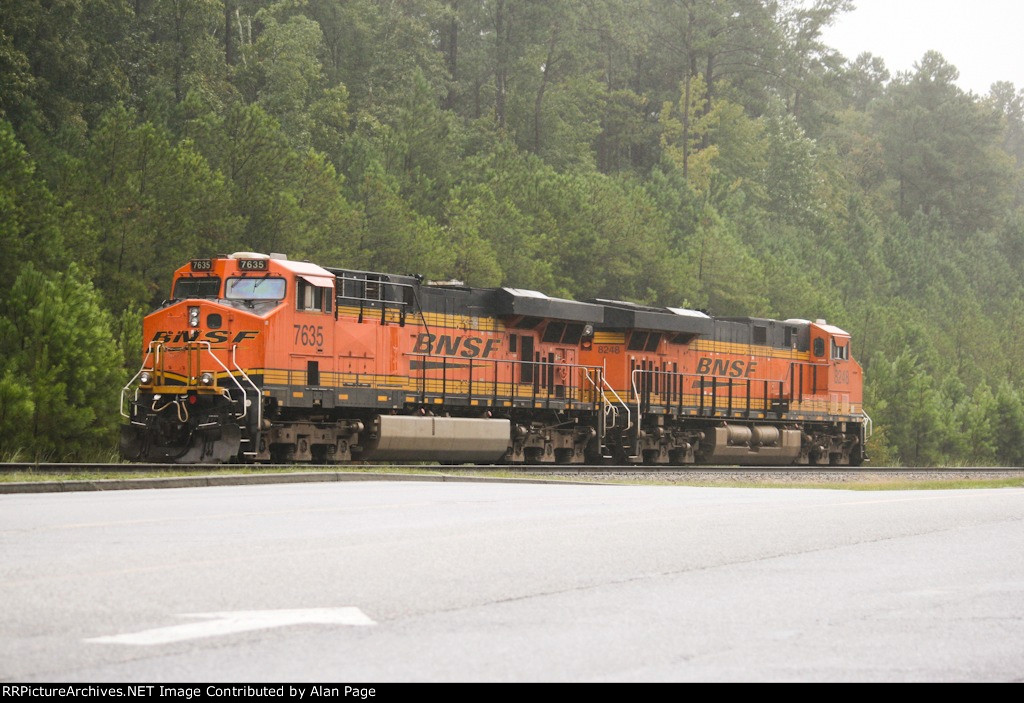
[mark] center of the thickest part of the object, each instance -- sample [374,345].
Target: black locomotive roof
[619,314]
[765,321]
[528,303]
[781,334]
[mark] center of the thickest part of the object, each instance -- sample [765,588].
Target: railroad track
[564,469]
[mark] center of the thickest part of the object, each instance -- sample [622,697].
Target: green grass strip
[782,480]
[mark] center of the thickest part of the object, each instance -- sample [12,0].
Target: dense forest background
[707,153]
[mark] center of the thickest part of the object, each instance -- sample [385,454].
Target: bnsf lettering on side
[447,345]
[707,366]
[213,336]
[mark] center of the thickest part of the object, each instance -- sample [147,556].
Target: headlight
[145,378]
[206,379]
[193,317]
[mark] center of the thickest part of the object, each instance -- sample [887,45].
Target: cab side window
[310,297]
[840,351]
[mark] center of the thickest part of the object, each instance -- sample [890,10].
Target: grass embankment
[890,485]
[869,482]
[184,472]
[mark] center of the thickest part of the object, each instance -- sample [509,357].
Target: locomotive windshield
[207,287]
[255,289]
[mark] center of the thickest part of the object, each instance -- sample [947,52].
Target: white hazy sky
[984,39]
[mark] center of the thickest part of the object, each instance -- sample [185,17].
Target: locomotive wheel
[282,453]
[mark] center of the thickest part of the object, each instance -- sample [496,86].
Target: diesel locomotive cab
[196,397]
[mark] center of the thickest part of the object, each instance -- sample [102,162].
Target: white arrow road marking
[216,624]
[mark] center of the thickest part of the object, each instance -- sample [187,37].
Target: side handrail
[208,347]
[717,379]
[607,407]
[227,372]
[339,294]
[256,390]
[636,394]
[145,361]
[640,376]
[620,401]
[513,363]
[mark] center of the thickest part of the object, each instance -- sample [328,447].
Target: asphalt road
[511,582]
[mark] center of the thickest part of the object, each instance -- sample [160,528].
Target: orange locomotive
[257,358]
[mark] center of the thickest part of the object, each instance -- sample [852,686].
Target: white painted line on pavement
[227,623]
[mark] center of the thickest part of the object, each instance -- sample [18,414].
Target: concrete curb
[126,484]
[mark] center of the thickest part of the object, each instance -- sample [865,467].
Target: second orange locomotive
[257,358]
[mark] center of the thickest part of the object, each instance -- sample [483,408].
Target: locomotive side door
[527,370]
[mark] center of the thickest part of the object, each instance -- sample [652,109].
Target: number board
[252,264]
[202,264]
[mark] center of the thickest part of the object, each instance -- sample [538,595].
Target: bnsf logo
[213,336]
[446,345]
[723,367]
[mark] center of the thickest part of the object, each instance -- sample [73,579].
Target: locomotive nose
[193,399]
